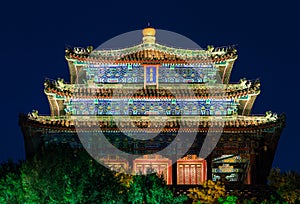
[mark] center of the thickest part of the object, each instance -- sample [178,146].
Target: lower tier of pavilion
[241,148]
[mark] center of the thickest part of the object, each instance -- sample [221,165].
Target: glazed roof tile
[150,53]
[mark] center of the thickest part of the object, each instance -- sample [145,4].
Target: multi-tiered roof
[187,83]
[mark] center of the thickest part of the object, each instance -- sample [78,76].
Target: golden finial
[149,34]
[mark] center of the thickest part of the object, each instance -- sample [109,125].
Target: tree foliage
[60,174]
[151,188]
[228,199]
[209,192]
[286,184]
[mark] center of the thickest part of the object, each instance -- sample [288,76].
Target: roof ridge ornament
[149,35]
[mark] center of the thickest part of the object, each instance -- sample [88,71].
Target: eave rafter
[242,89]
[152,52]
[229,123]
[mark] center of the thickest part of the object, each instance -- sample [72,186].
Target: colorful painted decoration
[150,107]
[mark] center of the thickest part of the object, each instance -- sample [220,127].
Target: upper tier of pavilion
[149,52]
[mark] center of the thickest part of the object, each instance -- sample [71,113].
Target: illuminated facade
[101,80]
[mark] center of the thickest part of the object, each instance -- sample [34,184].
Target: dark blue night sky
[34,34]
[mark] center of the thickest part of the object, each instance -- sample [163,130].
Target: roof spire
[149,35]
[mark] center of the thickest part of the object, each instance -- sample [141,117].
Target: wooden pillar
[252,170]
[209,167]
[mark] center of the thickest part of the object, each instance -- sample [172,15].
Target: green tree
[286,184]
[151,188]
[11,190]
[60,174]
[228,199]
